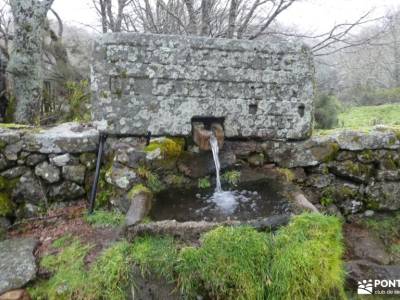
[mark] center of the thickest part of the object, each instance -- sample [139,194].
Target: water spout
[215,152]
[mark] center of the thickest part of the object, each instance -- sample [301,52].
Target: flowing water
[215,152]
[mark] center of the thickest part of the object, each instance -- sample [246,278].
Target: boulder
[384,195]
[121,176]
[29,189]
[65,191]
[11,151]
[130,157]
[48,172]
[354,171]
[3,162]
[202,164]
[74,173]
[17,263]
[9,136]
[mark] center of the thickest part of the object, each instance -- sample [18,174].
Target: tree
[25,63]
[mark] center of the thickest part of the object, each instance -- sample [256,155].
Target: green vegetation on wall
[327,109]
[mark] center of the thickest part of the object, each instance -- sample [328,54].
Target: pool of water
[247,201]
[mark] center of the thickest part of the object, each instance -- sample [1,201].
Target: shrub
[78,97]
[230,264]
[327,109]
[306,260]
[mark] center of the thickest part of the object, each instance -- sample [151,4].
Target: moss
[139,188]
[14,126]
[356,169]
[326,201]
[169,147]
[397,133]
[345,192]
[356,139]
[389,163]
[232,263]
[104,94]
[371,203]
[106,190]
[154,183]
[367,155]
[392,141]
[287,174]
[6,206]
[204,183]
[333,151]
[307,260]
[231,177]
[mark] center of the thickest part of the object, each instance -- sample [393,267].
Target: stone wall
[158,83]
[41,167]
[346,171]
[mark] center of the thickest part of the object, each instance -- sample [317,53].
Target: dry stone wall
[158,83]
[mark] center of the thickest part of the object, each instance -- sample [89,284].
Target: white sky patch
[315,16]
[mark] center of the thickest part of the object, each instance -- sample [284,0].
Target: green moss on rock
[333,151]
[169,147]
[6,205]
[137,189]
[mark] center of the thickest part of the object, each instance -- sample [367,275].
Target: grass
[204,183]
[363,118]
[107,278]
[231,177]
[103,218]
[302,261]
[307,260]
[156,255]
[230,264]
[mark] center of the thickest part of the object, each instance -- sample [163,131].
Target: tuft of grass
[103,218]
[107,278]
[204,183]
[156,255]
[230,264]
[307,260]
[231,177]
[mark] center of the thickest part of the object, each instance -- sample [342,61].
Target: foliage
[152,180]
[138,188]
[204,183]
[103,218]
[230,264]
[78,97]
[306,260]
[231,177]
[156,255]
[106,279]
[327,109]
[355,117]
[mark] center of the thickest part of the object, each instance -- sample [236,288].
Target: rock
[4,223]
[15,172]
[9,136]
[362,244]
[74,173]
[351,206]
[88,160]
[3,162]
[243,148]
[27,211]
[388,175]
[320,181]
[385,195]
[17,263]
[64,138]
[352,170]
[33,159]
[333,210]
[140,206]
[256,159]
[16,295]
[358,270]
[200,165]
[121,176]
[11,151]
[61,160]
[303,203]
[65,191]
[48,172]
[29,189]
[369,213]
[130,157]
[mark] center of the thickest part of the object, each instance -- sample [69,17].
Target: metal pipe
[92,199]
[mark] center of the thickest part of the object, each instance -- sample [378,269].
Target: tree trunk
[26,57]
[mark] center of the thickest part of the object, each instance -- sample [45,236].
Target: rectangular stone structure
[159,83]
